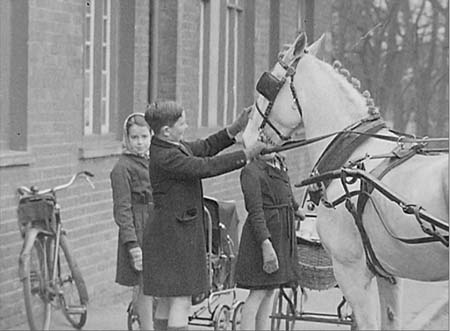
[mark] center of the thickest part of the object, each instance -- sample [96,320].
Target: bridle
[269,86]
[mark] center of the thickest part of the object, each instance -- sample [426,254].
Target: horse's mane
[349,87]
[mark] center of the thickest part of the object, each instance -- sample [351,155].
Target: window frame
[97,67]
[121,91]
[221,49]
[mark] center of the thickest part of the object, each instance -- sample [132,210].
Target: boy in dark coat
[267,251]
[133,208]
[174,245]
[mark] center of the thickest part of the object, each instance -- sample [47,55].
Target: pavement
[425,307]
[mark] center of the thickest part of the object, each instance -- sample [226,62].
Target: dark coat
[133,207]
[270,205]
[174,244]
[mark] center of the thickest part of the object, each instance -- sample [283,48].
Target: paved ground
[425,308]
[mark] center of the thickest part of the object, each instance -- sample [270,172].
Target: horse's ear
[316,48]
[295,50]
[299,44]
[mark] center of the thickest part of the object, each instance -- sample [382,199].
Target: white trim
[236,59]
[107,71]
[200,64]
[226,64]
[88,129]
[213,63]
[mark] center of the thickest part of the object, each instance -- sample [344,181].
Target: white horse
[329,103]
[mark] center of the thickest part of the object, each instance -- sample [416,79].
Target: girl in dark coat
[267,253]
[174,245]
[133,208]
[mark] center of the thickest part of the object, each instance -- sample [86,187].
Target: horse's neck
[331,105]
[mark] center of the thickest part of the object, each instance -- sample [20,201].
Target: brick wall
[55,131]
[262,33]
[54,97]
[54,137]
[188,57]
[167,52]
[141,57]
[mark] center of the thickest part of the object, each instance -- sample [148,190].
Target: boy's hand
[270,259]
[240,122]
[300,214]
[136,258]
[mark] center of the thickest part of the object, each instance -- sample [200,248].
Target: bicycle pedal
[76,310]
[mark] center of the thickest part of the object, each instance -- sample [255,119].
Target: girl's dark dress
[270,205]
[133,208]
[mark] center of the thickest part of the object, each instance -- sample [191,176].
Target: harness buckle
[290,71]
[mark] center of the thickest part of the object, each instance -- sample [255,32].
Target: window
[97,67]
[221,62]
[109,51]
[13,76]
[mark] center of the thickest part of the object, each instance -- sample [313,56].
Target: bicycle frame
[45,257]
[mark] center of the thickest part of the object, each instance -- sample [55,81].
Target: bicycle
[50,276]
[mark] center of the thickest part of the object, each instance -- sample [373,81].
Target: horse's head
[299,87]
[274,127]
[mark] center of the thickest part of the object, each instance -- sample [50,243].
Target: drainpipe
[153,60]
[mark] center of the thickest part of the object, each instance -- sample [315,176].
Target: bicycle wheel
[35,286]
[73,292]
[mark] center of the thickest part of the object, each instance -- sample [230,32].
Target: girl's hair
[138,120]
[162,113]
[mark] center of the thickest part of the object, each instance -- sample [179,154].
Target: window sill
[14,158]
[97,146]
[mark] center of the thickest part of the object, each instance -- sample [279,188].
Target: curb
[426,315]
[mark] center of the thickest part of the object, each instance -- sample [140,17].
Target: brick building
[71,71]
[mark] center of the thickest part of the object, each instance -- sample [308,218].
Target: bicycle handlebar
[33,190]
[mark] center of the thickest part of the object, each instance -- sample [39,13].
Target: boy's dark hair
[162,113]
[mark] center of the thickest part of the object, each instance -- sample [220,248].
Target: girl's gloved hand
[136,258]
[270,259]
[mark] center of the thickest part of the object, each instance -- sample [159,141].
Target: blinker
[268,86]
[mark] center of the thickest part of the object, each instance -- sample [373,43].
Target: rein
[403,139]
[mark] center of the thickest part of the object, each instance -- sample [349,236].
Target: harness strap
[342,146]
[269,123]
[371,260]
[401,155]
[420,240]
[294,95]
[403,138]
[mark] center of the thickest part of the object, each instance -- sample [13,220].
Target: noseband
[269,86]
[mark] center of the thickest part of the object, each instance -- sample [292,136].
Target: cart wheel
[237,314]
[221,318]
[282,311]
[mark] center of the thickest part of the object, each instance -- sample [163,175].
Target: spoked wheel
[133,322]
[237,315]
[35,287]
[73,292]
[282,310]
[221,318]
